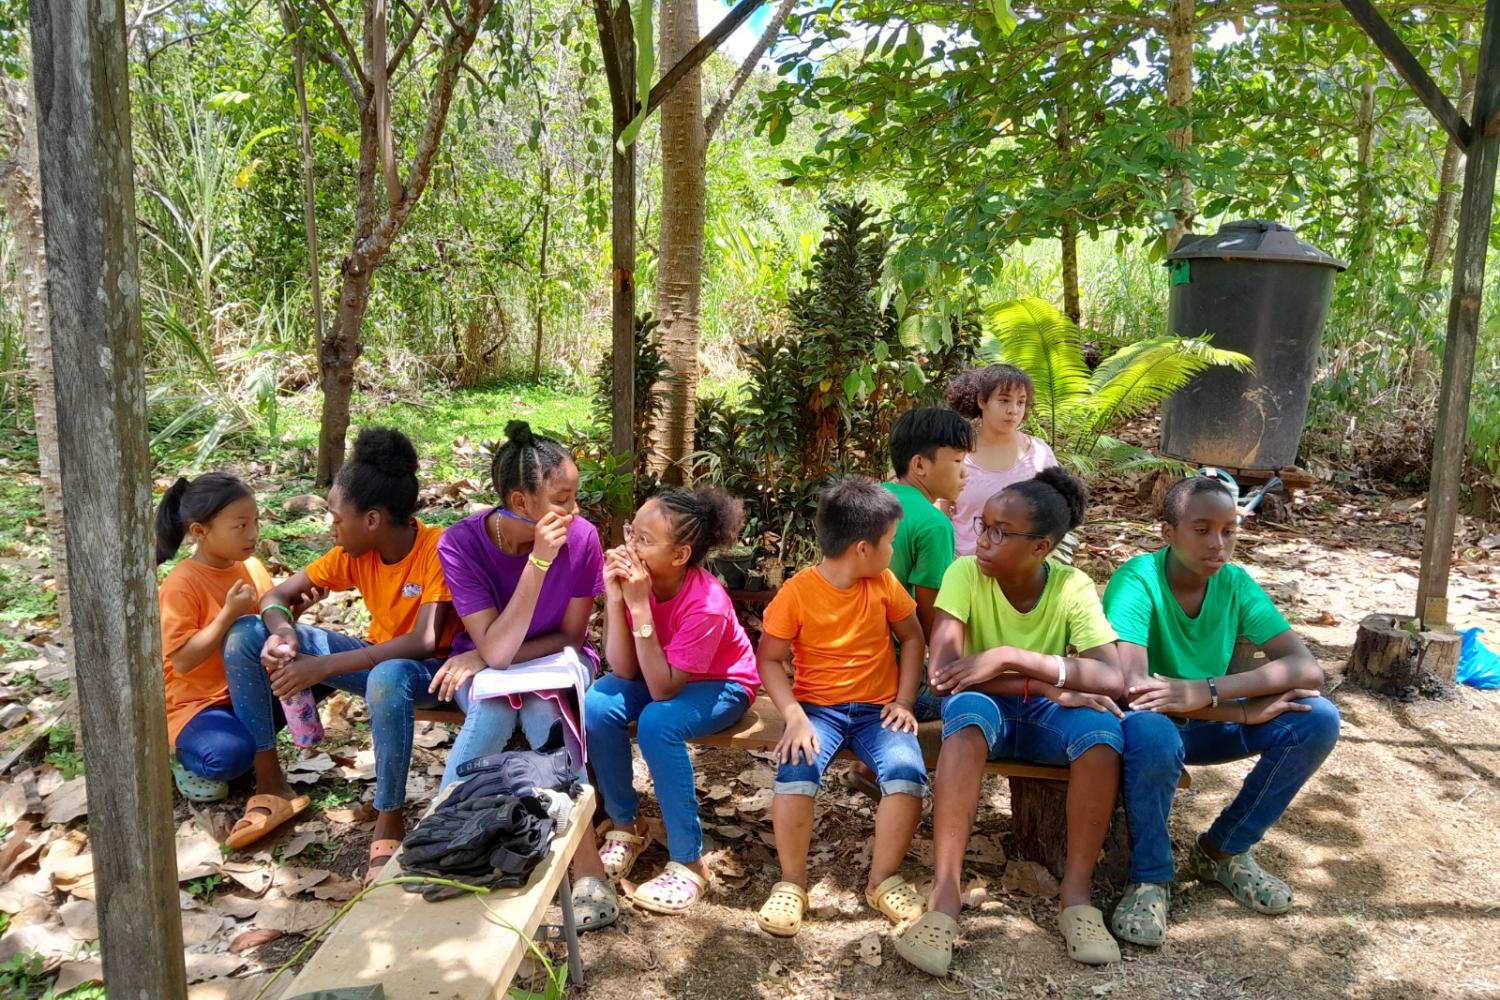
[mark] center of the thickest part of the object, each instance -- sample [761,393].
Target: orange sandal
[263,814]
[380,853]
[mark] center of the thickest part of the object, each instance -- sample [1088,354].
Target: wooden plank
[93,295]
[453,950]
[1412,71]
[1471,247]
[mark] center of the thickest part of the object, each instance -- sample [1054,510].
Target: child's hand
[1166,694]
[297,676]
[551,533]
[635,583]
[280,649]
[1261,710]
[1085,699]
[962,673]
[455,673]
[898,718]
[307,598]
[615,561]
[241,600]
[797,738]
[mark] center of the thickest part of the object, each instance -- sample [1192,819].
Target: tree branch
[411,36]
[349,50]
[705,47]
[721,106]
[619,88]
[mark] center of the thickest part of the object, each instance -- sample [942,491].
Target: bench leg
[570,930]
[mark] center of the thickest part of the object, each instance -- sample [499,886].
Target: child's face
[352,528]
[873,560]
[556,494]
[649,534]
[1017,545]
[1203,537]
[1005,410]
[230,535]
[943,474]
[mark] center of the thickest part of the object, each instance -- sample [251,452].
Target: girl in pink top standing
[681,667]
[999,397]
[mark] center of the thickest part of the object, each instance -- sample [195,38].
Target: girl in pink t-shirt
[999,397]
[681,667]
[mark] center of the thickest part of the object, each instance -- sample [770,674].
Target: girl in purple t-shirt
[681,667]
[524,576]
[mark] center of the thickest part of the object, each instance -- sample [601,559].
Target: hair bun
[519,433]
[386,450]
[1072,489]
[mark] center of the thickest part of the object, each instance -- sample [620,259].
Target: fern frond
[1037,338]
[1140,375]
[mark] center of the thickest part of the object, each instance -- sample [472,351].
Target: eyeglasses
[995,534]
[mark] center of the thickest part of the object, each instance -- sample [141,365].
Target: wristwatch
[1213,693]
[646,631]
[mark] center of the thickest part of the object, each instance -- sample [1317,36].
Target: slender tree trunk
[1362,240]
[309,178]
[1067,228]
[541,276]
[1181,29]
[21,194]
[679,279]
[1446,206]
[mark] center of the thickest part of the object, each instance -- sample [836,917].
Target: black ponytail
[705,518]
[196,502]
[382,473]
[524,461]
[1057,500]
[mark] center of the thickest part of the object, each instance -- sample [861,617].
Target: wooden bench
[455,949]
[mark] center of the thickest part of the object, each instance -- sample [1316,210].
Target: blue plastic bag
[1478,666]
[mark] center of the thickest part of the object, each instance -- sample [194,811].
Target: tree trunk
[541,275]
[309,179]
[683,208]
[1446,206]
[21,193]
[1361,242]
[1181,29]
[1067,229]
[1039,831]
[336,357]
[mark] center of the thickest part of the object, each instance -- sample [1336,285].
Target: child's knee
[1152,742]
[1318,727]
[245,639]
[222,758]
[389,684]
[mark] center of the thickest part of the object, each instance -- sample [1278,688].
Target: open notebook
[560,671]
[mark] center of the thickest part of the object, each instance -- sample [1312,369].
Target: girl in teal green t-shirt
[1005,623]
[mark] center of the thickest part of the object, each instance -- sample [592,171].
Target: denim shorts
[896,758]
[1039,730]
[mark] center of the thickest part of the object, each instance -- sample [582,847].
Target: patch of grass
[336,794]
[63,752]
[205,887]
[23,976]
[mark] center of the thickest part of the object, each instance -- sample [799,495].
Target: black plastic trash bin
[1257,289]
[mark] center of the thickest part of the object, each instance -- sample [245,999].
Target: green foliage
[653,381]
[63,752]
[1075,408]
[204,888]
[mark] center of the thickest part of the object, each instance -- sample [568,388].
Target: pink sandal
[620,852]
[676,889]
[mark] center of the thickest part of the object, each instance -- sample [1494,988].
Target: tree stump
[1391,657]
[1039,825]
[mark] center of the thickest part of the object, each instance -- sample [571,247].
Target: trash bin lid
[1253,239]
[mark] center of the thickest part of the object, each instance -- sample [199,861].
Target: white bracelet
[1062,672]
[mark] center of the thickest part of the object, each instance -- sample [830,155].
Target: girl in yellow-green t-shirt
[1006,621]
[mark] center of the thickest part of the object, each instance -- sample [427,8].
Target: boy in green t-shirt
[1006,623]
[1178,613]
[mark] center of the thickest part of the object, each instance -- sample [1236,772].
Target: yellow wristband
[542,564]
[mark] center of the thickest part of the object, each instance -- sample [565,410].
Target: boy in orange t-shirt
[835,621]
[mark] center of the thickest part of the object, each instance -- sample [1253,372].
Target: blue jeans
[1039,730]
[895,757]
[393,689]
[489,724]
[217,745]
[1291,747]
[662,729]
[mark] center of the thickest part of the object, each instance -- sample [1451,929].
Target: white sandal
[621,850]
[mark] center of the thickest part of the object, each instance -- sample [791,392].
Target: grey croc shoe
[1251,885]
[1141,915]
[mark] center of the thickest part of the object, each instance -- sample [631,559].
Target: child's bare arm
[1290,667]
[908,632]
[239,601]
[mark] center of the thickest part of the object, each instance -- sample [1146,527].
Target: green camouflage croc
[1250,884]
[1141,915]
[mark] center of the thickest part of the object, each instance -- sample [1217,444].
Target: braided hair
[704,519]
[524,461]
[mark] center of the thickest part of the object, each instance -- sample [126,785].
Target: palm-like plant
[1076,409]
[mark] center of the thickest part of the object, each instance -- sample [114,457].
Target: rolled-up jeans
[393,689]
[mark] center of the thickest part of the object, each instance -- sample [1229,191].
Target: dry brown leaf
[201,968]
[336,888]
[67,802]
[983,849]
[360,767]
[868,949]
[433,736]
[757,803]
[975,893]
[1029,878]
[252,939]
[251,876]
[200,926]
[294,916]
[81,918]
[72,974]
[292,881]
[22,843]
[362,813]
[716,793]
[50,940]
[22,891]
[238,906]
[731,831]
[299,843]
[198,853]
[12,803]
[308,770]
